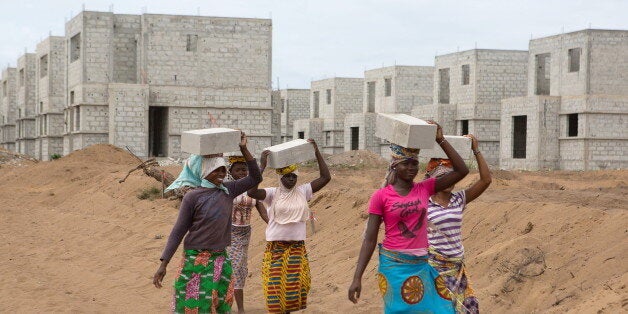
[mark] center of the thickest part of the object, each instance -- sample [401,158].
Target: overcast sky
[319,38]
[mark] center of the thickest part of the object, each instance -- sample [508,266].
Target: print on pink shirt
[407,209]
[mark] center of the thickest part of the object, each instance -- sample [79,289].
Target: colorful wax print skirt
[238,253]
[285,276]
[454,274]
[410,285]
[204,283]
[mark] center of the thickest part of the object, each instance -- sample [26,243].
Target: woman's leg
[239,296]
[240,238]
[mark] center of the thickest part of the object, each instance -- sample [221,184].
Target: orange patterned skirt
[285,276]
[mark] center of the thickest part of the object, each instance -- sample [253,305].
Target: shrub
[149,193]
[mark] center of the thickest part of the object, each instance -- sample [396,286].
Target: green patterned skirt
[204,283]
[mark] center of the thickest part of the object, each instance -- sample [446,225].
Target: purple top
[205,215]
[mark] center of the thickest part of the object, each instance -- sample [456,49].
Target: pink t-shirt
[405,217]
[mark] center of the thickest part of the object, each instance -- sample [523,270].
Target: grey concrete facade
[468,89]
[577,104]
[140,81]
[330,100]
[275,128]
[308,128]
[26,104]
[8,108]
[394,89]
[294,104]
[50,77]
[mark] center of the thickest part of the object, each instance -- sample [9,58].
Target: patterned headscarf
[437,167]
[236,159]
[398,155]
[287,169]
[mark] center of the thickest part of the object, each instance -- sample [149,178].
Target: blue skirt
[410,285]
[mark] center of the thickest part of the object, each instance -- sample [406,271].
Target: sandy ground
[73,239]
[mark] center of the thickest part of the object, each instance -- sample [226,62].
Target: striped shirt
[445,225]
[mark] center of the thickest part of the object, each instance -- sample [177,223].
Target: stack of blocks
[405,130]
[461,144]
[288,153]
[210,141]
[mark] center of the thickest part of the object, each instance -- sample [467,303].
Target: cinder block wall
[562,82]
[218,66]
[26,87]
[596,92]
[324,109]
[276,124]
[499,74]
[493,75]
[90,68]
[413,86]
[345,98]
[128,116]
[609,62]
[542,145]
[365,122]
[295,104]
[126,35]
[410,86]
[602,136]
[26,100]
[51,60]
[311,128]
[453,62]
[252,121]
[206,51]
[8,108]
[602,60]
[606,117]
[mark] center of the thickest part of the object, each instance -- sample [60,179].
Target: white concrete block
[405,130]
[210,141]
[291,152]
[461,144]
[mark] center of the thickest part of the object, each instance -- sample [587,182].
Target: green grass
[149,194]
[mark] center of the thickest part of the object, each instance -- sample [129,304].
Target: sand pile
[356,159]
[14,159]
[76,240]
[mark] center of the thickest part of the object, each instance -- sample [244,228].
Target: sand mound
[356,158]
[550,242]
[101,153]
[14,159]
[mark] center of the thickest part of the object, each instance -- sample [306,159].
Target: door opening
[158,131]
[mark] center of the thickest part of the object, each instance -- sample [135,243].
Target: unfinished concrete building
[294,104]
[330,101]
[26,104]
[468,89]
[50,99]
[394,89]
[575,116]
[275,128]
[140,81]
[8,108]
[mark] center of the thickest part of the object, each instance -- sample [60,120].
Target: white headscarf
[289,205]
[211,164]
